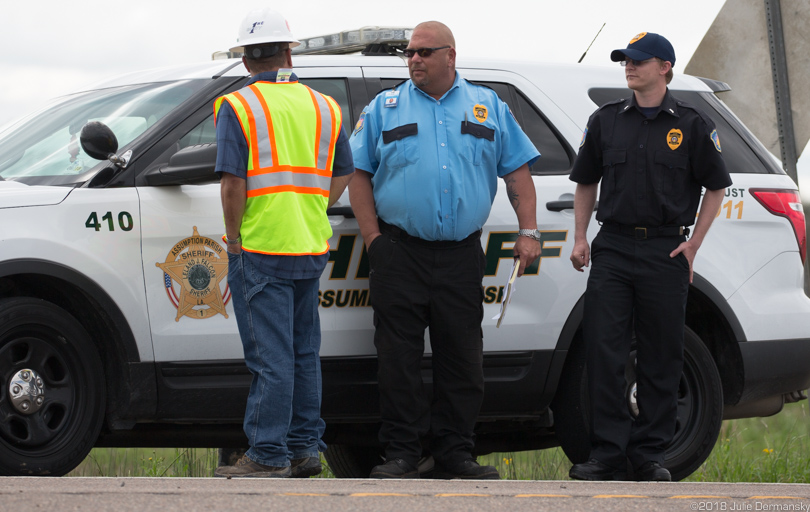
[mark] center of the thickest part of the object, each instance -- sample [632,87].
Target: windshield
[44,149]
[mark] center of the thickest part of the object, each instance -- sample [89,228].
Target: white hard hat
[264,26]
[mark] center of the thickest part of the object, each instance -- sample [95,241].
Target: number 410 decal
[124,221]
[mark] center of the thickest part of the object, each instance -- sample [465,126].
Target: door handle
[558,206]
[346,211]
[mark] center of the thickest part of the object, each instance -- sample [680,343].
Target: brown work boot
[305,467]
[246,468]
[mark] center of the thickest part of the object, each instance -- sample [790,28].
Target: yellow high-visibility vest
[291,132]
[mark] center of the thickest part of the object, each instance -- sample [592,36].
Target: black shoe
[652,471]
[394,468]
[594,470]
[305,467]
[466,470]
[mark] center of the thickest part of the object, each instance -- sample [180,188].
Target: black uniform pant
[634,286]
[417,285]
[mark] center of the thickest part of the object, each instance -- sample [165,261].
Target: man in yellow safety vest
[283,160]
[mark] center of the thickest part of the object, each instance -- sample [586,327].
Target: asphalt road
[319,495]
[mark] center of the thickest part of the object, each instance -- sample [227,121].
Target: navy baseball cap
[646,46]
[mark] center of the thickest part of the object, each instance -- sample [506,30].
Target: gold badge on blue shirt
[716,140]
[480,113]
[674,138]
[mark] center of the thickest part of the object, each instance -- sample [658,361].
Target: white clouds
[59,46]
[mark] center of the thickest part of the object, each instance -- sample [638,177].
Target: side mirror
[98,140]
[191,165]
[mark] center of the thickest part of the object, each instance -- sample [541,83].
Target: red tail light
[788,204]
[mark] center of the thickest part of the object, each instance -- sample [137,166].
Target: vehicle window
[205,132]
[742,152]
[336,88]
[556,157]
[44,149]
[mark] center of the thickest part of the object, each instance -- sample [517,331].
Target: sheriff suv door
[197,347]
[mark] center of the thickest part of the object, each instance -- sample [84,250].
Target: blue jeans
[281,335]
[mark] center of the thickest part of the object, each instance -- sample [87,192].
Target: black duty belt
[401,234]
[642,233]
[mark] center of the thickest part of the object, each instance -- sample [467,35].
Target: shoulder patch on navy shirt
[716,140]
[584,134]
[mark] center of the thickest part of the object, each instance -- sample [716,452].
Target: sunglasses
[422,52]
[635,62]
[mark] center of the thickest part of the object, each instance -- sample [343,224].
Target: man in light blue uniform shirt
[431,151]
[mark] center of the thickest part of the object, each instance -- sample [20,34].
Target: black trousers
[414,286]
[634,286]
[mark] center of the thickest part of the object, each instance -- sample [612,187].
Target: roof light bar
[352,41]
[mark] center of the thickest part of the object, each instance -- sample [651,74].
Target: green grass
[774,449]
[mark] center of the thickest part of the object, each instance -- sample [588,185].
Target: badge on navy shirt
[391,98]
[674,138]
[716,140]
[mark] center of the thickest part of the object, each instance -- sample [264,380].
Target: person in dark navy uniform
[652,154]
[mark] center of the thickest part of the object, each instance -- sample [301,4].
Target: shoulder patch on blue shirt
[359,125]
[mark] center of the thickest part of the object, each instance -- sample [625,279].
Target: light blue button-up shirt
[433,175]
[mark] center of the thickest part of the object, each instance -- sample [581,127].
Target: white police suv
[116,320]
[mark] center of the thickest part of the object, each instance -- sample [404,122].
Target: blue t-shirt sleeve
[232,149]
[344,163]
[516,147]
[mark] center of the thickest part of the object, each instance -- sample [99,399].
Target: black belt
[642,233]
[401,234]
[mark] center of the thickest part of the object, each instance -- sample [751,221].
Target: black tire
[700,407]
[38,336]
[350,461]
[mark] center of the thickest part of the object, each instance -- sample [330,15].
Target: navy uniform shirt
[435,163]
[232,157]
[651,169]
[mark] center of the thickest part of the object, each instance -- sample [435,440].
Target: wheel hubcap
[27,391]
[632,399]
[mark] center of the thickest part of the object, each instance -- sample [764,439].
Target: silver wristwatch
[531,233]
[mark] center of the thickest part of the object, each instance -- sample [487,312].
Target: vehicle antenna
[589,46]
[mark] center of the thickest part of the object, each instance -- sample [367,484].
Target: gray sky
[50,48]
